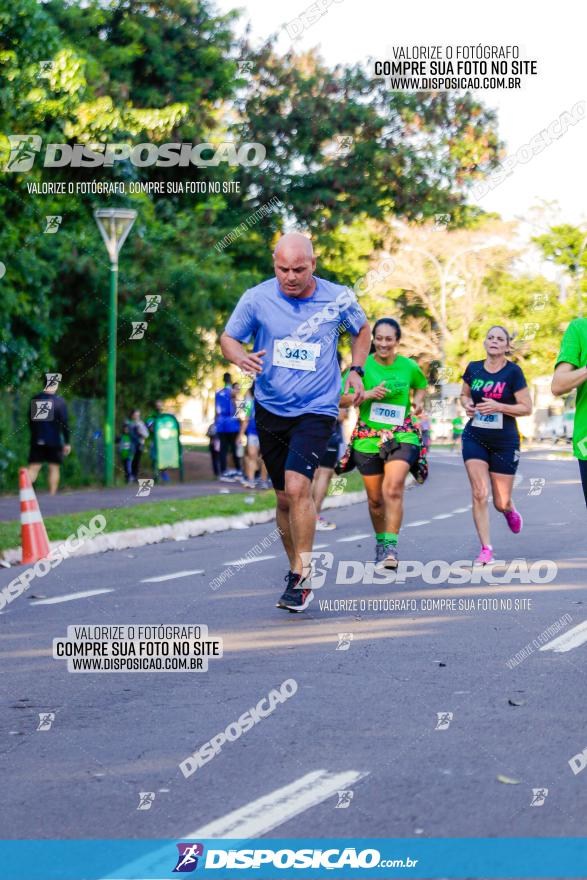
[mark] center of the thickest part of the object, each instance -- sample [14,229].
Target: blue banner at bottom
[281,859]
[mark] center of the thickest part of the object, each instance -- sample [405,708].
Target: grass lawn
[154,514]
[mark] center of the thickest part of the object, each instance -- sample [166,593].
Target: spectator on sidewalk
[214,447]
[227,427]
[125,450]
[139,433]
[49,427]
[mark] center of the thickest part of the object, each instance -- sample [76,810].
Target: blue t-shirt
[266,315]
[226,418]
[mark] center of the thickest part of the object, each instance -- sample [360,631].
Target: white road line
[573,638]
[442,516]
[461,509]
[70,596]
[320,546]
[241,562]
[253,820]
[274,809]
[418,522]
[353,538]
[170,577]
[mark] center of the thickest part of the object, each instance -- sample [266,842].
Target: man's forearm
[231,348]
[360,346]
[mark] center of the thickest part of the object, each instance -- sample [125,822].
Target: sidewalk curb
[180,531]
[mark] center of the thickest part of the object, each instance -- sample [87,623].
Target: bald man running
[294,320]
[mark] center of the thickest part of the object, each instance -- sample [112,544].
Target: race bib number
[491,420]
[387,413]
[295,355]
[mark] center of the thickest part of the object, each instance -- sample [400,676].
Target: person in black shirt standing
[49,434]
[494,392]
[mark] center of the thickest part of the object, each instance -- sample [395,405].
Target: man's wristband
[358,370]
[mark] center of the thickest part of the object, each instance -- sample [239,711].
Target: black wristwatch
[358,370]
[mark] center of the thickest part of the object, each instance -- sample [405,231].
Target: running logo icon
[153,301]
[319,563]
[536,485]
[42,410]
[344,799]
[53,223]
[138,329]
[344,144]
[23,151]
[444,719]
[145,487]
[344,641]
[337,485]
[146,799]
[539,795]
[52,380]
[188,857]
[46,719]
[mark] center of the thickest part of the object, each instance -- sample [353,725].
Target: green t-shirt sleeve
[570,352]
[418,378]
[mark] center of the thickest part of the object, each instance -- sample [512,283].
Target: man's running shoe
[323,525]
[301,599]
[486,556]
[294,597]
[514,520]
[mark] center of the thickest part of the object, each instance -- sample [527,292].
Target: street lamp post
[114,225]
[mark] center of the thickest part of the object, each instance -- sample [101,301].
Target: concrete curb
[180,531]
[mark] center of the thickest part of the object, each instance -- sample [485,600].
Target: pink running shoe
[486,555]
[514,520]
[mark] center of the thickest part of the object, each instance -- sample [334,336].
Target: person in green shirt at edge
[458,426]
[389,380]
[571,372]
[125,450]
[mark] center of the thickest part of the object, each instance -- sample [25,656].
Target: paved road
[363,719]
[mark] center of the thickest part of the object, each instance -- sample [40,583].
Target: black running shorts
[40,453]
[501,458]
[370,464]
[292,443]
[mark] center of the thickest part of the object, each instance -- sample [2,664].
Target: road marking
[253,820]
[170,577]
[418,522]
[461,509]
[241,562]
[320,546]
[353,538]
[573,638]
[271,810]
[442,516]
[57,599]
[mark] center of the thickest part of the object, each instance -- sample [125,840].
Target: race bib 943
[295,355]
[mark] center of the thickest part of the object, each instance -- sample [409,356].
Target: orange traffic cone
[35,543]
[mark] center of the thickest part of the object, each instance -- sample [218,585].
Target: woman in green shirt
[571,372]
[385,443]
